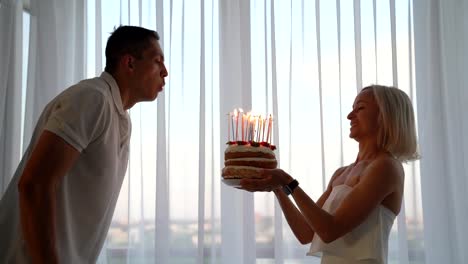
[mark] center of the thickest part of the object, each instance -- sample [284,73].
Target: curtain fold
[237,218]
[202,154]
[161,237]
[441,60]
[56,54]
[10,89]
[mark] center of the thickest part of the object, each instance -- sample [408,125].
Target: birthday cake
[246,160]
[249,149]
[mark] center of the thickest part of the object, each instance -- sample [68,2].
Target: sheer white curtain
[56,54]
[10,88]
[237,208]
[303,61]
[441,41]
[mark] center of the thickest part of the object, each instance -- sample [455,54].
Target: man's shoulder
[96,88]
[96,85]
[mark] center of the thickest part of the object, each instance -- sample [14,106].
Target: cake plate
[231,182]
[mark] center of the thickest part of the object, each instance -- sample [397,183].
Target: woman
[351,221]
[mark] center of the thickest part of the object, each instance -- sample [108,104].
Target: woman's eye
[358,109]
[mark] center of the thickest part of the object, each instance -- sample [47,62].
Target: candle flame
[253,127]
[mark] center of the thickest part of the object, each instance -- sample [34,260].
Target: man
[60,202]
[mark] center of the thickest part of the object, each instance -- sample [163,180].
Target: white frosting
[245,168]
[248,148]
[254,159]
[241,172]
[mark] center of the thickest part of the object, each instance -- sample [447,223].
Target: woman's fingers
[255,185]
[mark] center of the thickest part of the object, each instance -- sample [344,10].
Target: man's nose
[164,72]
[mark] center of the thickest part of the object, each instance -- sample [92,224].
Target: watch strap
[289,188]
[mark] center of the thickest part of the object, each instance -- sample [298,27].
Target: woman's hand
[272,179]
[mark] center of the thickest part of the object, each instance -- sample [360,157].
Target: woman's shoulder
[387,160]
[386,164]
[340,171]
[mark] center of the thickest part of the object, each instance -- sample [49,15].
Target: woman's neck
[367,150]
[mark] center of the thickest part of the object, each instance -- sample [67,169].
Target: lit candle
[247,121]
[232,125]
[252,127]
[271,132]
[229,126]
[242,124]
[271,137]
[256,129]
[247,127]
[269,129]
[259,127]
[263,129]
[237,121]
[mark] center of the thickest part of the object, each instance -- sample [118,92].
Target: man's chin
[155,95]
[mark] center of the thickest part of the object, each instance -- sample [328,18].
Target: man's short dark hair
[127,40]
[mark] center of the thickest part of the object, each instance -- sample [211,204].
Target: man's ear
[130,61]
[127,62]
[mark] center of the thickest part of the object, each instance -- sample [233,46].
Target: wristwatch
[289,188]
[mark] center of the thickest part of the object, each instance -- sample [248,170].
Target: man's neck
[124,90]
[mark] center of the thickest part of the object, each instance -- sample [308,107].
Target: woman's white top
[367,243]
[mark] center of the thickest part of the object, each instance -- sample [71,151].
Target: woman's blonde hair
[397,132]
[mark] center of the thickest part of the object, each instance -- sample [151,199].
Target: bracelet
[289,188]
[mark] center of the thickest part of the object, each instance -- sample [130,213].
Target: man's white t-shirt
[90,117]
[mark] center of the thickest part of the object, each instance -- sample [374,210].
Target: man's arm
[50,160]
